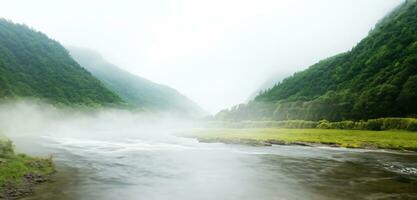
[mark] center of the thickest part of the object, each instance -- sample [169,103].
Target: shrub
[324,124]
[412,126]
[373,124]
[266,124]
[409,124]
[342,125]
[6,148]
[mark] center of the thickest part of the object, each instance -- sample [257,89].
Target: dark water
[178,168]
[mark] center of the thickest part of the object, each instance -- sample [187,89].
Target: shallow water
[179,168]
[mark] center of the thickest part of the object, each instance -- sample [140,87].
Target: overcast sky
[217,52]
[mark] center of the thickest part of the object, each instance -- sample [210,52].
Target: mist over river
[178,168]
[120,155]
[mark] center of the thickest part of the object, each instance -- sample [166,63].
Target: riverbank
[390,139]
[19,173]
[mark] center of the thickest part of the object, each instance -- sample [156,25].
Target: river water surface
[179,168]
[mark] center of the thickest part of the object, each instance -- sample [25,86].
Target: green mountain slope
[377,78]
[32,65]
[136,90]
[268,84]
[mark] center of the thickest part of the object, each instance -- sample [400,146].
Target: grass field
[391,139]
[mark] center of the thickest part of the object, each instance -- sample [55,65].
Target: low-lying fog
[116,154]
[26,118]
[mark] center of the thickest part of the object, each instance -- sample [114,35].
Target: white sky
[217,52]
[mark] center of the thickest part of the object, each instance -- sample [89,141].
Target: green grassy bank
[389,139]
[379,124]
[19,172]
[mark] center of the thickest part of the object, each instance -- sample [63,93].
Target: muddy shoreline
[55,187]
[27,186]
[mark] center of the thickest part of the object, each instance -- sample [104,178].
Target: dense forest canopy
[33,65]
[377,78]
[137,91]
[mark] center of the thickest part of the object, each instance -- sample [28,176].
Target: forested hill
[377,78]
[136,90]
[32,65]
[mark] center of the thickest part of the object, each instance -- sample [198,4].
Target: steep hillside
[136,90]
[32,65]
[377,78]
[268,84]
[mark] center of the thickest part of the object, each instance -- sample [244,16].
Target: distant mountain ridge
[135,90]
[377,78]
[35,66]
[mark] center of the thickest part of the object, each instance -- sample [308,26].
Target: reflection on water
[178,168]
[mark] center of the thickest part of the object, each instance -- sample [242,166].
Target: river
[171,167]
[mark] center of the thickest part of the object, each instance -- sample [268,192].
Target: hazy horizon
[215,52]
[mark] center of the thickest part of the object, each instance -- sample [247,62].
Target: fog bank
[25,120]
